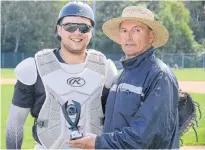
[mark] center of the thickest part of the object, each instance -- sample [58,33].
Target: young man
[142,106]
[64,89]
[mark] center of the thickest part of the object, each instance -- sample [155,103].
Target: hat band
[136,15]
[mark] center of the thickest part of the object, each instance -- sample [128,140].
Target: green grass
[7,92]
[7,73]
[190,74]
[6,96]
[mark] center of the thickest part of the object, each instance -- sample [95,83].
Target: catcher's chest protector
[84,87]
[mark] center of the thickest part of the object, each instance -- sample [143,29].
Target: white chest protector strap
[62,87]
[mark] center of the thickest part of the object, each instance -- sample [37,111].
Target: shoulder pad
[95,52]
[26,71]
[96,56]
[43,52]
[111,73]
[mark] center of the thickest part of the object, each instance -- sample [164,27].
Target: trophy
[72,115]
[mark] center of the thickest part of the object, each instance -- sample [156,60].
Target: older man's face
[135,37]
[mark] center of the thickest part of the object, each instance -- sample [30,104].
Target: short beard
[72,51]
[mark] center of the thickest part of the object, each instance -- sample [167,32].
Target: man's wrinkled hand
[87,142]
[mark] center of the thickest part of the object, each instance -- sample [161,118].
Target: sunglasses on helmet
[72,27]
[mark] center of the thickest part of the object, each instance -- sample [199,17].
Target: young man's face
[135,37]
[73,39]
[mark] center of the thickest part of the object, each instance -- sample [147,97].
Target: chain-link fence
[184,60]
[11,59]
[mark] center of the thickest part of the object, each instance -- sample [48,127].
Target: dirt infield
[192,148]
[188,86]
[8,81]
[192,86]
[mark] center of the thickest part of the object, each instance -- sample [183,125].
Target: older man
[141,110]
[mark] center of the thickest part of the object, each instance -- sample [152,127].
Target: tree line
[30,25]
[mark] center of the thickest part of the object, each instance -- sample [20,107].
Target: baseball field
[191,80]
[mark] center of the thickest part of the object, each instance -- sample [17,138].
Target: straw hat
[138,13]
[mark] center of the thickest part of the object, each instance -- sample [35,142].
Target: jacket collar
[134,62]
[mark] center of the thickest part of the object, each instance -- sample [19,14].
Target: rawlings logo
[76,81]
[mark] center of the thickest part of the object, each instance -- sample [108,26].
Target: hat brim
[111,29]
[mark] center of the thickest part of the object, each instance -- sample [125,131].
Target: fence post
[14,55]
[2,65]
[22,56]
[182,60]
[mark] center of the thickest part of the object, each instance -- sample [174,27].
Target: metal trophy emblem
[72,115]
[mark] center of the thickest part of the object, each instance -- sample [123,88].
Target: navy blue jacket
[142,107]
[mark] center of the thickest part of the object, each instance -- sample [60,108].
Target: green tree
[181,37]
[30,25]
[197,21]
[27,26]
